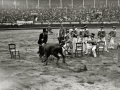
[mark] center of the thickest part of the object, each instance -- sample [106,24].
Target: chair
[68,50]
[79,49]
[100,47]
[13,51]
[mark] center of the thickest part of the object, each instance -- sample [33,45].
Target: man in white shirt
[91,44]
[85,38]
[74,35]
[101,37]
[112,35]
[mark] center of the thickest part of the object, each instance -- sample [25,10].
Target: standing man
[43,37]
[49,29]
[85,38]
[61,34]
[101,37]
[74,35]
[68,42]
[112,35]
[80,35]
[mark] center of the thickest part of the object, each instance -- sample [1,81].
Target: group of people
[68,38]
[72,36]
[54,14]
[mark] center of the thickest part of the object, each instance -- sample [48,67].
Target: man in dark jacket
[43,37]
[102,37]
[49,29]
[61,34]
[85,38]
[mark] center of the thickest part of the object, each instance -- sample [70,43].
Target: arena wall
[57,25]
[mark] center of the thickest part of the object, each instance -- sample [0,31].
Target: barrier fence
[57,25]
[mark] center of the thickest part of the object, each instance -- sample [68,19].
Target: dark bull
[51,49]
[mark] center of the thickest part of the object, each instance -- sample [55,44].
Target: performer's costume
[74,35]
[43,38]
[111,36]
[91,44]
[85,39]
[61,34]
[49,29]
[101,37]
[68,42]
[80,35]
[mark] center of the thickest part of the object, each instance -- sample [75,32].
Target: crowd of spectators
[56,14]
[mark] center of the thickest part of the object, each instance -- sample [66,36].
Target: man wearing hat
[80,35]
[49,29]
[101,37]
[68,41]
[74,35]
[101,33]
[111,36]
[43,37]
[85,38]
[61,34]
[91,44]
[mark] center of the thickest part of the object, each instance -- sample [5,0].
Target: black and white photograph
[59,44]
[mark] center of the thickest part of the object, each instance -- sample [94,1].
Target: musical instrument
[92,41]
[74,33]
[86,33]
[101,34]
[112,33]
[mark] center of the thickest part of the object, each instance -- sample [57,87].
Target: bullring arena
[28,72]
[21,22]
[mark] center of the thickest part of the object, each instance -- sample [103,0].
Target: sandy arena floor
[28,73]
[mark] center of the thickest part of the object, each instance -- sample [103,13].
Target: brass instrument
[74,33]
[101,34]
